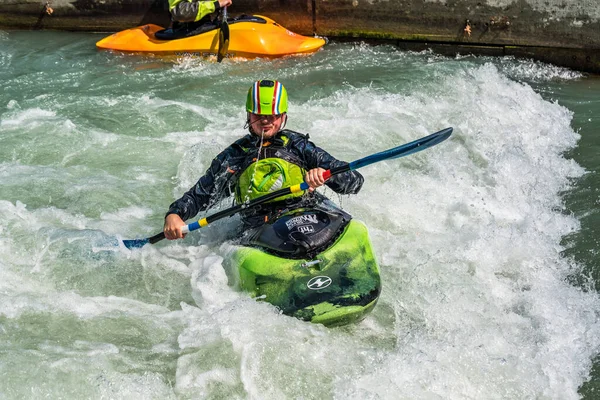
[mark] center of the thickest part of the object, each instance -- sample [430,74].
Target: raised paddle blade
[397,152]
[425,143]
[223,36]
[403,150]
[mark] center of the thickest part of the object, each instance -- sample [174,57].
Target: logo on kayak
[319,282]
[302,220]
[306,229]
[201,54]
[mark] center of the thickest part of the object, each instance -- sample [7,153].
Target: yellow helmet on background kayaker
[267,97]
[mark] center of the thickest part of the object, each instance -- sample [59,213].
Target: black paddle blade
[223,40]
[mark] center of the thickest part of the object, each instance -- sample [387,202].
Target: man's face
[266,125]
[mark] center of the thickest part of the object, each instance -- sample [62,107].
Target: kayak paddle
[396,152]
[223,36]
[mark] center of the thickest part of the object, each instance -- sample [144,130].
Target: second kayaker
[195,10]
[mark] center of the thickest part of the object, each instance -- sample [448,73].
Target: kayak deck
[248,39]
[339,286]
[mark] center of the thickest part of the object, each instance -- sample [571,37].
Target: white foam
[475,300]
[126,213]
[32,117]
[468,234]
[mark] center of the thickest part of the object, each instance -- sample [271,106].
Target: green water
[487,243]
[583,98]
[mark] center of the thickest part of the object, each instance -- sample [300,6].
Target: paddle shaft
[252,203]
[223,36]
[392,153]
[396,152]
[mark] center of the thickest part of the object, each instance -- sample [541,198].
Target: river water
[487,243]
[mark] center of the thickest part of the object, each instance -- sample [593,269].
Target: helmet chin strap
[247,124]
[284,121]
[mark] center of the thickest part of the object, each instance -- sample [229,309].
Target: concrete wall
[565,32]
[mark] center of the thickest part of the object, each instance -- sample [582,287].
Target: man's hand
[172,228]
[225,3]
[314,178]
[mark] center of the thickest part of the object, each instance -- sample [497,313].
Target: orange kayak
[250,37]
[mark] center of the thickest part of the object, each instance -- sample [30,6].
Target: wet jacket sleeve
[345,183]
[213,186]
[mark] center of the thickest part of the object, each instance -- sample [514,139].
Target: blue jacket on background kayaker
[194,10]
[267,159]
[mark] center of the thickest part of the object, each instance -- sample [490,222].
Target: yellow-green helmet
[267,97]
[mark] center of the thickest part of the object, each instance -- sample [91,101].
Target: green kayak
[314,264]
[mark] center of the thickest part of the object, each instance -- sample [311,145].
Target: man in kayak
[267,159]
[194,10]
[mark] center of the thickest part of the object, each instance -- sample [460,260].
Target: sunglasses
[267,117]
